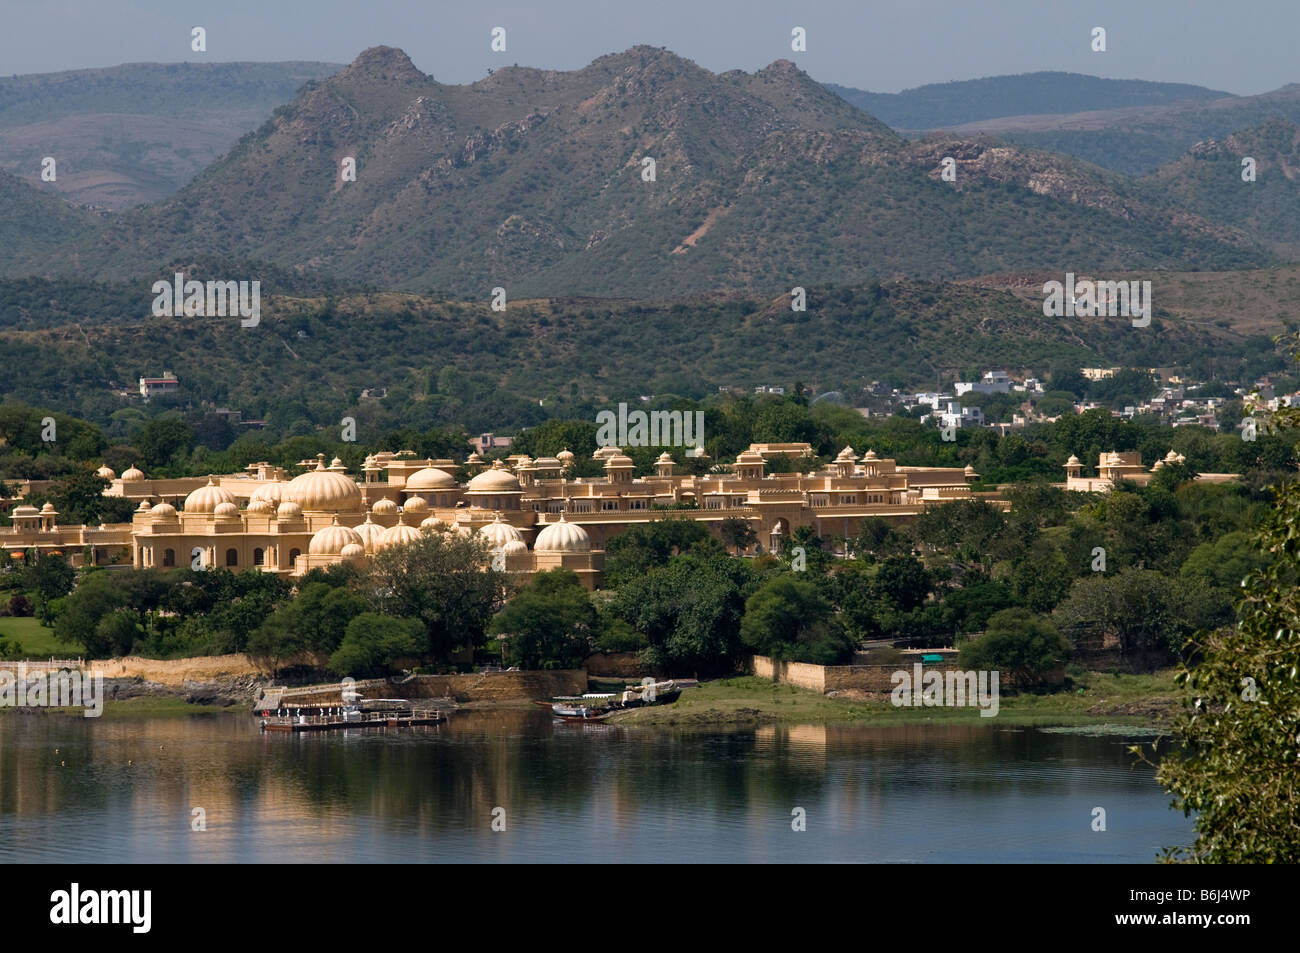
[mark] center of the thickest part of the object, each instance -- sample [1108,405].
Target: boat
[581,713]
[595,706]
[371,713]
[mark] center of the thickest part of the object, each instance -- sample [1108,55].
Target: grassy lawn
[37,641]
[1094,697]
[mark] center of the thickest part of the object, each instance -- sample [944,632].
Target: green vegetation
[1018,643]
[1116,699]
[550,624]
[769,175]
[1240,719]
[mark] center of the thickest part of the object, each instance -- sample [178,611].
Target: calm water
[570,793]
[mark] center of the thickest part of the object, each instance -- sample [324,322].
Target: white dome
[260,507]
[433,524]
[324,490]
[132,476]
[431,478]
[226,510]
[494,481]
[206,498]
[398,535]
[499,533]
[272,493]
[163,511]
[106,472]
[331,540]
[415,504]
[383,508]
[514,547]
[353,553]
[563,537]
[370,532]
[289,510]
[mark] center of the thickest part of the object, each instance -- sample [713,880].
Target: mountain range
[537,181]
[132,134]
[944,105]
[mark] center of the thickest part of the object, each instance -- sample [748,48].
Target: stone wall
[864,678]
[616,665]
[174,673]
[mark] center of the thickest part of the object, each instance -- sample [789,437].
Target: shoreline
[745,701]
[1136,700]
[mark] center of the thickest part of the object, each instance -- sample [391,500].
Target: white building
[158,385]
[958,416]
[993,382]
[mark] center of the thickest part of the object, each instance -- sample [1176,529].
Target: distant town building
[149,386]
[1099,373]
[958,416]
[993,382]
[490,441]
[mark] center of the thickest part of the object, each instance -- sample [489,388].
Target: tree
[815,557]
[737,533]
[314,622]
[966,530]
[372,643]
[550,437]
[785,422]
[163,439]
[632,554]
[1225,562]
[79,497]
[1237,771]
[689,611]
[788,619]
[49,577]
[1143,610]
[1017,642]
[904,581]
[81,612]
[118,631]
[970,607]
[444,580]
[550,624]
[877,538]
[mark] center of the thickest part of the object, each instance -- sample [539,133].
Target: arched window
[232,557]
[293,557]
[259,557]
[169,557]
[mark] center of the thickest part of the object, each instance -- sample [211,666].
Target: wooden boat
[378,713]
[596,706]
[581,713]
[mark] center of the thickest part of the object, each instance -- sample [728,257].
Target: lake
[128,787]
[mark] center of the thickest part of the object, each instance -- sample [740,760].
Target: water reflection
[123,790]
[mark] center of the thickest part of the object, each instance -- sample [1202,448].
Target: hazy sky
[881,45]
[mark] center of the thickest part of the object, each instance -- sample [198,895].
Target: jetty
[379,713]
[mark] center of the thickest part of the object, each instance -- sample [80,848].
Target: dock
[339,720]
